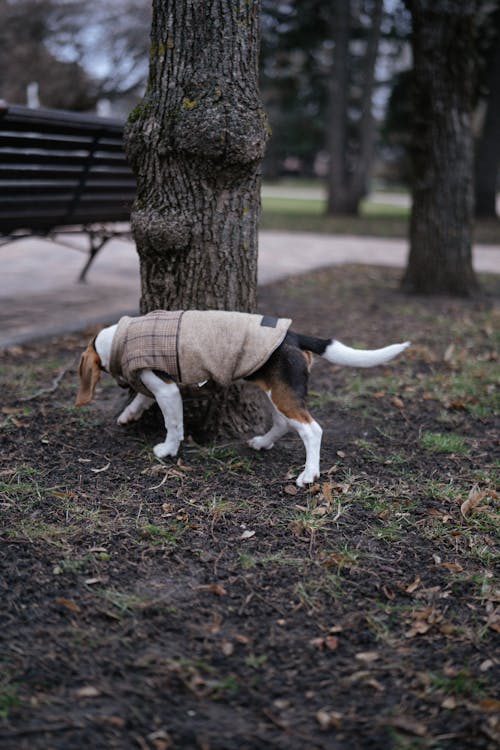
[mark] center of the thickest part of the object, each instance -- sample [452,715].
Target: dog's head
[90,372]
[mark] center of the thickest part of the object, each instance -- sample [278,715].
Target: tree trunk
[337,108]
[367,124]
[488,145]
[350,156]
[196,143]
[440,259]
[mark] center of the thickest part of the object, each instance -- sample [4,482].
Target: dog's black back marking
[307,343]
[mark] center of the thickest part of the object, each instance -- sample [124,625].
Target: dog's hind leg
[169,400]
[135,409]
[280,427]
[298,418]
[284,378]
[310,433]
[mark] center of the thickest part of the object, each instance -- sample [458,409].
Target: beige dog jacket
[193,346]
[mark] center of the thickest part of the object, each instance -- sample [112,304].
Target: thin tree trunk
[488,145]
[367,125]
[350,162]
[196,143]
[440,259]
[337,107]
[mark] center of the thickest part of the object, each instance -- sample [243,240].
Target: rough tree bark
[440,259]
[195,143]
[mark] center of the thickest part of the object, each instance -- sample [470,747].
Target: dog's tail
[340,354]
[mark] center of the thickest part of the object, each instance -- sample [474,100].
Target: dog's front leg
[135,409]
[169,400]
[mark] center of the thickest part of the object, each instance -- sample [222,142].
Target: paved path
[39,295]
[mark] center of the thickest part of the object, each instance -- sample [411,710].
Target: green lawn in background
[304,214]
[379,219]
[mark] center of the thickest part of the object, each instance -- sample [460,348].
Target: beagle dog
[280,368]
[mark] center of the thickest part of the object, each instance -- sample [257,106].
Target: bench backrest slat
[61,168]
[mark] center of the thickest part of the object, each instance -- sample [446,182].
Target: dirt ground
[207,603]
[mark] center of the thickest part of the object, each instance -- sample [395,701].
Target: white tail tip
[339,354]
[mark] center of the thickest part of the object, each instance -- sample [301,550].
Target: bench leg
[96,243]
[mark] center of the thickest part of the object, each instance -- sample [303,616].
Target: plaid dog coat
[193,346]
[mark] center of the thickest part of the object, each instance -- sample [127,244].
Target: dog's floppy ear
[90,372]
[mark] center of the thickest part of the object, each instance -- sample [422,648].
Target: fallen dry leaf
[7,472]
[317,643]
[452,567]
[418,628]
[88,691]
[408,724]
[98,579]
[216,588]
[474,497]
[104,468]
[397,402]
[448,355]
[331,642]
[227,648]
[413,586]
[490,704]
[367,657]
[112,721]
[247,534]
[68,604]
[327,719]
[449,703]
[493,621]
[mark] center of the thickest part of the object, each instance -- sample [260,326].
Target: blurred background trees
[77,54]
[337,81]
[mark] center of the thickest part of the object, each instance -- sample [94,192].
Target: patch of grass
[306,521]
[275,558]
[469,386]
[200,678]
[37,530]
[126,603]
[308,215]
[8,696]
[21,484]
[218,507]
[76,566]
[461,684]
[312,592]
[438,442]
[167,535]
[319,399]
[341,557]
[227,457]
[393,528]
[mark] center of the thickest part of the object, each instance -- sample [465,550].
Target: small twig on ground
[55,383]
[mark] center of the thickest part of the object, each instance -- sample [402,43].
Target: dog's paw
[258,443]
[308,476]
[128,416]
[162,450]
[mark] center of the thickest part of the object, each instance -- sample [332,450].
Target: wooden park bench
[61,174]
